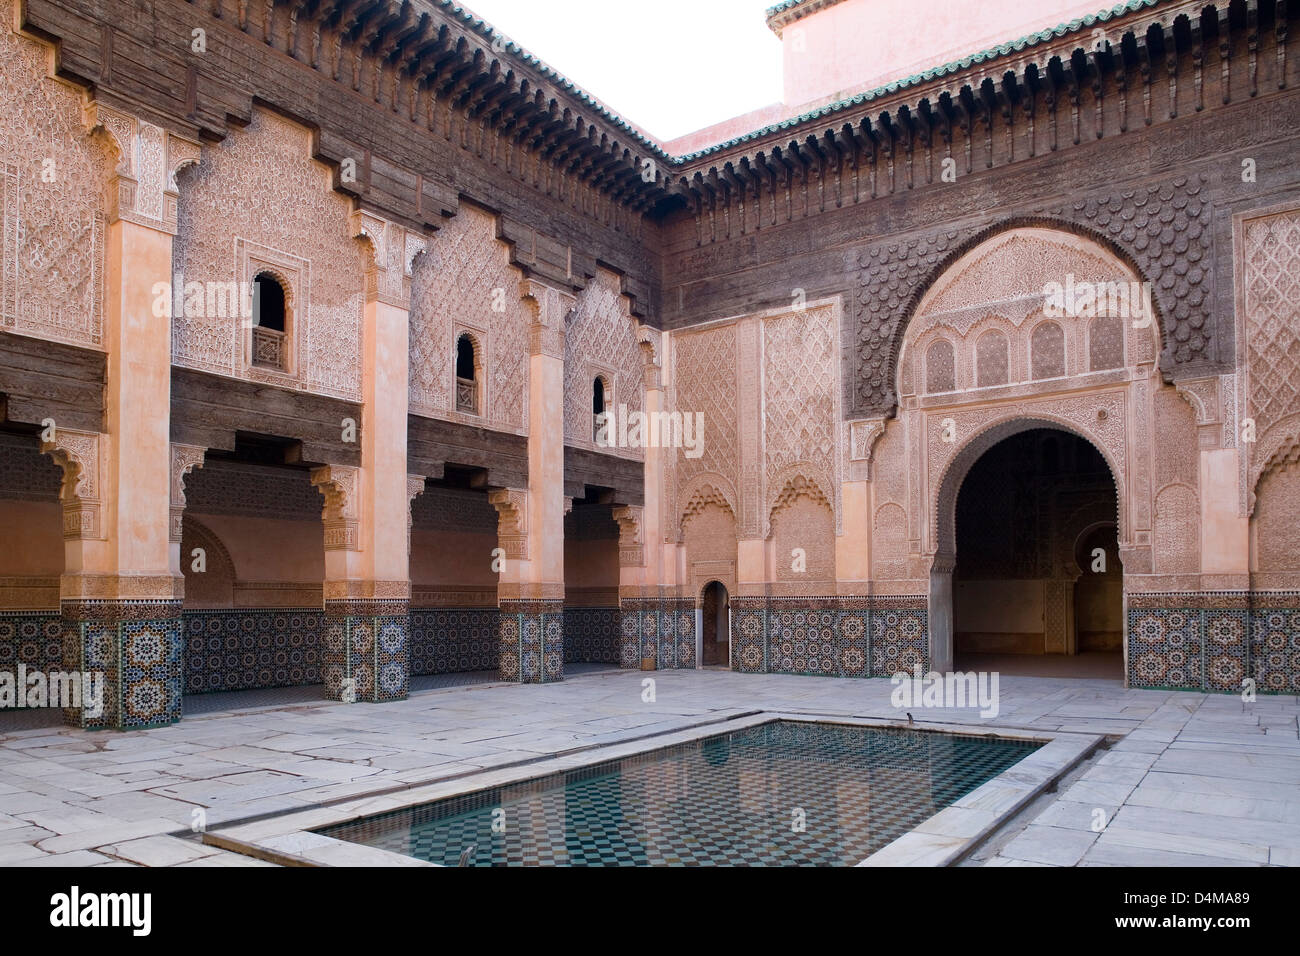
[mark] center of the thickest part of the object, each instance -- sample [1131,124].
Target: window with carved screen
[467,377]
[270,323]
[600,399]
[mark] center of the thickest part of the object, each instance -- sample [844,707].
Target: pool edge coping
[292,839]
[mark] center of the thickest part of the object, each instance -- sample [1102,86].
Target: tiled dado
[33,638]
[365,650]
[1212,640]
[531,638]
[249,648]
[452,640]
[592,635]
[829,636]
[662,630]
[137,646]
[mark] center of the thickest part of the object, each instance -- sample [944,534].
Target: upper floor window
[269,322]
[466,375]
[599,398]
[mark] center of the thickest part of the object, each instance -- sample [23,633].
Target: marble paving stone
[1052,845]
[1207,752]
[158,851]
[1186,843]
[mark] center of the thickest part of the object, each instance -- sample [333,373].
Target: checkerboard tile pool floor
[783,793]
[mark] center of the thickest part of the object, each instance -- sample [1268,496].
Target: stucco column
[1225,531]
[367,588]
[531,598]
[120,592]
[657,622]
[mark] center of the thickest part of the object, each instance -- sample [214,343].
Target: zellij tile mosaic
[783,793]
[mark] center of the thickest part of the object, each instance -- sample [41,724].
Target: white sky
[671,67]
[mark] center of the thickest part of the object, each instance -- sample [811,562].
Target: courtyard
[1183,779]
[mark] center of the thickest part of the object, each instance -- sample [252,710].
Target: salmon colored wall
[267,549]
[452,558]
[32,539]
[591,563]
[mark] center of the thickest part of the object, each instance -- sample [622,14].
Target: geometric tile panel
[900,636]
[591,635]
[247,649]
[137,647]
[1226,642]
[1275,648]
[453,640]
[34,638]
[1164,648]
[1211,641]
[829,636]
[366,656]
[658,630]
[531,638]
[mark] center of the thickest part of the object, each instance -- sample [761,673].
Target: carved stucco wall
[259,202]
[52,252]
[1163,227]
[464,283]
[1269,266]
[600,339]
[1144,429]
[768,388]
[803,522]
[801,429]
[709,533]
[1276,527]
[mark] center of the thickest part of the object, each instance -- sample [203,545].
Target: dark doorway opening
[1038,586]
[716,631]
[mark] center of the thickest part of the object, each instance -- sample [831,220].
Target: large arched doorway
[715,650]
[1037,585]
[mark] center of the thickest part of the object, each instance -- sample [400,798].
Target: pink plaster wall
[266,549]
[859,45]
[33,535]
[452,558]
[862,44]
[590,563]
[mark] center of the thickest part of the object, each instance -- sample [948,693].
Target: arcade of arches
[392,469]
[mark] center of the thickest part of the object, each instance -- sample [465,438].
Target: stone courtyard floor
[1190,779]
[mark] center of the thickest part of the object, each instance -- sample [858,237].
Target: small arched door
[715,648]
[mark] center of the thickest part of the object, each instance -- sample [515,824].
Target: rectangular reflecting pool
[784,793]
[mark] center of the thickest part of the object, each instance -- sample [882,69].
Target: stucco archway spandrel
[896,275]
